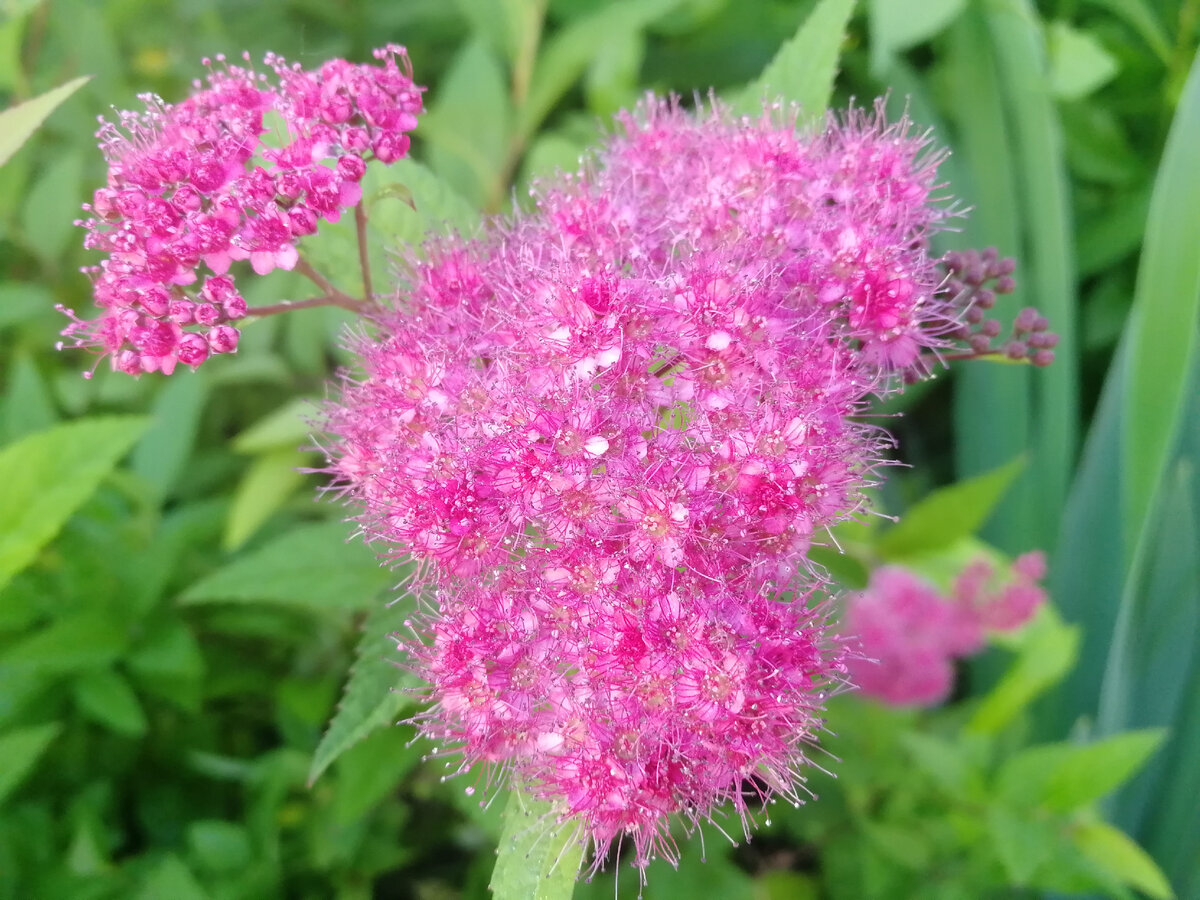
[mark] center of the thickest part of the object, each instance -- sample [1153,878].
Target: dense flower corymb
[907,634]
[196,186]
[609,430]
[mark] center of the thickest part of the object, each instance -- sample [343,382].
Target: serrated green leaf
[106,697]
[948,514]
[538,858]
[376,692]
[1118,855]
[371,769]
[804,69]
[22,120]
[269,481]
[20,751]
[313,566]
[49,475]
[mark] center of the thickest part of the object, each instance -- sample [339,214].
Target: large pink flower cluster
[213,180]
[908,634]
[609,430]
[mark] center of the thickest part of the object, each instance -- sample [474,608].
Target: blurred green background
[171,654]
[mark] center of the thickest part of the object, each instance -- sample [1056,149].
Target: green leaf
[434,207]
[1022,842]
[171,879]
[269,481]
[948,514]
[991,404]
[1047,259]
[371,769]
[898,25]
[20,751]
[162,455]
[22,120]
[313,566]
[79,641]
[1118,855]
[803,70]
[469,126]
[287,427]
[28,406]
[52,206]
[219,846]
[376,692]
[49,475]
[538,858]
[1079,64]
[568,53]
[106,697]
[946,762]
[611,82]
[1143,20]
[1048,652]
[167,662]
[1064,777]
[509,25]
[1094,770]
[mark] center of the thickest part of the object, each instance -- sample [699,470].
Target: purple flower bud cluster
[241,170]
[608,431]
[973,281]
[908,634]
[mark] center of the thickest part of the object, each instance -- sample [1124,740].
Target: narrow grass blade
[1163,323]
[1048,250]
[991,403]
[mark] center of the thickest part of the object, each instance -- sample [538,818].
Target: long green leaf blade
[1047,250]
[1163,323]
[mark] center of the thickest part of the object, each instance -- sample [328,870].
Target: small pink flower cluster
[908,634]
[200,183]
[608,431]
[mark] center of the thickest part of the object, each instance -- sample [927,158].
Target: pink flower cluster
[909,634]
[608,432]
[241,170]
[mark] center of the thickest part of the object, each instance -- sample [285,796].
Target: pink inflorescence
[608,432]
[205,183]
[908,634]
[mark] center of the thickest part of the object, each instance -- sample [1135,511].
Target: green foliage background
[178,614]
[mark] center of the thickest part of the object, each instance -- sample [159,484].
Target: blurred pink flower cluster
[907,634]
[205,183]
[608,430]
